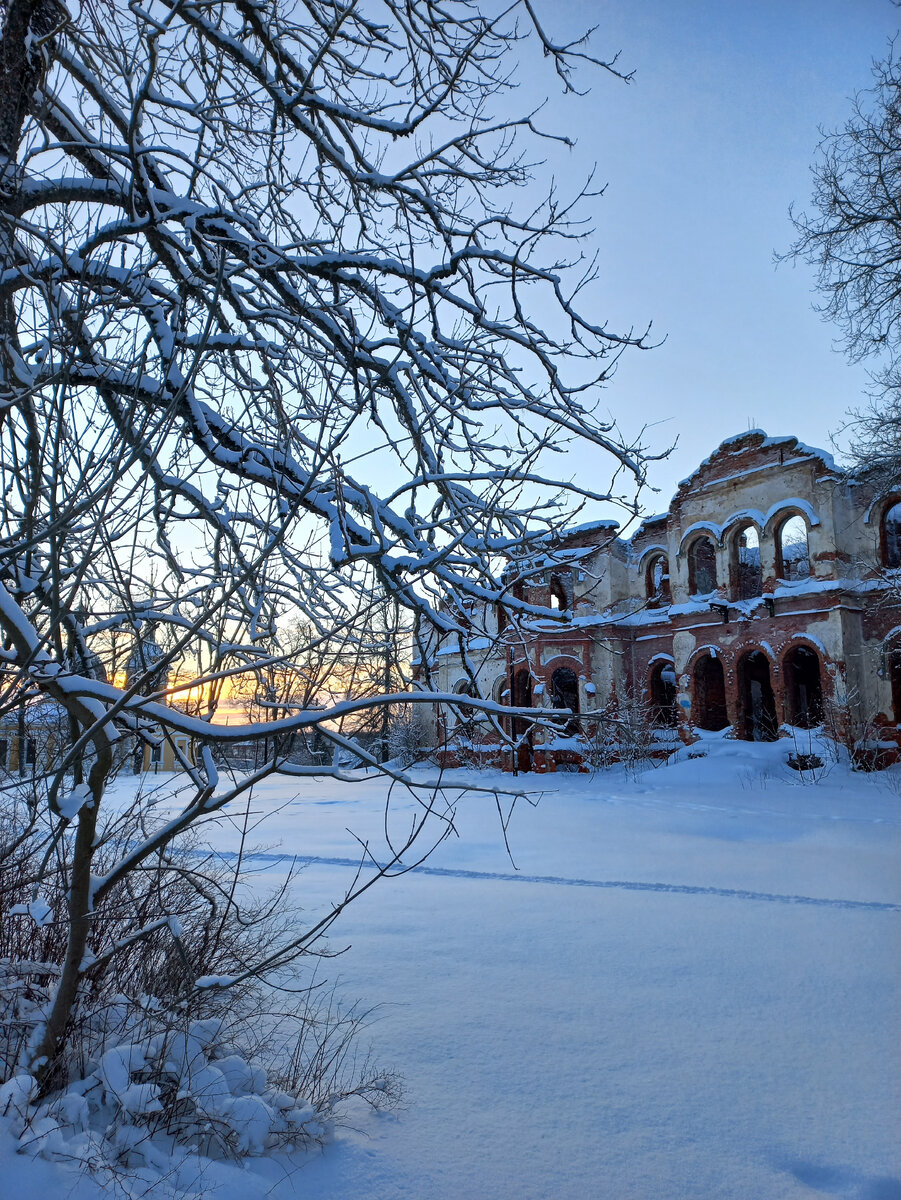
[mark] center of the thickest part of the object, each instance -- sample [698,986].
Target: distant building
[145,667]
[766,596]
[35,737]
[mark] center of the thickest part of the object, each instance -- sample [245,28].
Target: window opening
[522,726]
[702,567]
[759,722]
[558,594]
[657,583]
[746,561]
[663,695]
[794,555]
[891,536]
[895,678]
[463,687]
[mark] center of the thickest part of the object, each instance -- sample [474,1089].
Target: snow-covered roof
[753,440]
[647,522]
[593,526]
[479,643]
[556,558]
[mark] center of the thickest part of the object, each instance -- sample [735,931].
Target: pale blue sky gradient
[703,153]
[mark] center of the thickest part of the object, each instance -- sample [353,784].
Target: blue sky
[703,154]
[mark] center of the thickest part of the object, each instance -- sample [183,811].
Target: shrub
[159,1052]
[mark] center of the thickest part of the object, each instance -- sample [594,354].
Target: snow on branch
[290,334]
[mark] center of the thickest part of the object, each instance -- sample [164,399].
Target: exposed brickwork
[820,639]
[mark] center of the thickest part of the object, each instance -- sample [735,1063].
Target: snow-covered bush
[407,738]
[151,1077]
[625,733]
[852,735]
[159,1052]
[157,1083]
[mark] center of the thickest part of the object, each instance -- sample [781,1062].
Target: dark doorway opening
[663,695]
[710,694]
[565,694]
[758,717]
[522,726]
[895,676]
[803,687]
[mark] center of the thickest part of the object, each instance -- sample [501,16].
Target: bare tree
[365,656]
[852,236]
[271,328]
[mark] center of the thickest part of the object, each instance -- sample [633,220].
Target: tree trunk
[26,27]
[42,1054]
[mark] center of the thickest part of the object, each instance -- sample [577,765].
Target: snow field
[600,1036]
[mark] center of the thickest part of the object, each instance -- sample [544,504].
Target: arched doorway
[759,722]
[565,694]
[522,726]
[709,710]
[894,666]
[662,686]
[803,687]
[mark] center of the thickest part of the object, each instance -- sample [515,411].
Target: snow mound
[147,1104]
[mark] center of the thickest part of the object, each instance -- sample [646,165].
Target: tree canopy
[276,338]
[852,236]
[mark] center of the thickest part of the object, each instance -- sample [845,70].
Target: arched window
[803,687]
[463,687]
[662,686]
[891,536]
[791,543]
[522,688]
[500,694]
[657,586]
[558,594]
[702,567]
[565,694]
[747,580]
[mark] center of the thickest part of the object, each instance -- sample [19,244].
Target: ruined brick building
[768,595]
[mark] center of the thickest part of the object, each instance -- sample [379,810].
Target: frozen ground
[687,990]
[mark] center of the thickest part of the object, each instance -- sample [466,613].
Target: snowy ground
[687,990]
